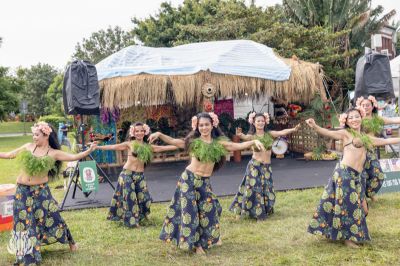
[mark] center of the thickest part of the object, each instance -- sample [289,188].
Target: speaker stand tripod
[74,175]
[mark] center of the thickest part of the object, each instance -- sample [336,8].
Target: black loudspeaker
[373,77]
[81,93]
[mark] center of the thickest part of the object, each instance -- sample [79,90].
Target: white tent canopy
[236,57]
[395,69]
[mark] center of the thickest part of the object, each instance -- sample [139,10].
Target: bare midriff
[262,156]
[199,168]
[24,179]
[134,164]
[354,157]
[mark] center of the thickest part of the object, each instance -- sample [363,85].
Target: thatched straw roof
[306,80]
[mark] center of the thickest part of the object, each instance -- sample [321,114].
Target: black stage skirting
[288,174]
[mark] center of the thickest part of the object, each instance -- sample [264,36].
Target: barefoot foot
[350,244]
[219,243]
[200,251]
[73,247]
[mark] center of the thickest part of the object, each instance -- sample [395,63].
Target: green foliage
[207,152]
[365,139]
[54,97]
[324,114]
[37,80]
[142,151]
[266,140]
[54,120]
[373,125]
[10,87]
[35,166]
[102,44]
[211,20]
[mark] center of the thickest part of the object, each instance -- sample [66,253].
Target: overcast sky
[47,31]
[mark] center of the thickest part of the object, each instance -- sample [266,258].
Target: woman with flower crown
[192,220]
[256,196]
[341,213]
[131,200]
[37,220]
[372,124]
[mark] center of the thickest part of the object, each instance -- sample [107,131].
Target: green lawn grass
[15,127]
[280,240]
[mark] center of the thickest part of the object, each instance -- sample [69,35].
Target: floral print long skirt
[256,195]
[131,200]
[37,221]
[375,175]
[339,215]
[193,215]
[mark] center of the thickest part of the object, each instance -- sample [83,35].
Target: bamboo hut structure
[305,81]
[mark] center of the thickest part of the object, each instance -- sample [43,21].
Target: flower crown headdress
[371,98]
[214,118]
[43,127]
[343,117]
[253,115]
[145,127]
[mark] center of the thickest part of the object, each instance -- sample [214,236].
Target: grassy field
[9,171]
[15,127]
[280,240]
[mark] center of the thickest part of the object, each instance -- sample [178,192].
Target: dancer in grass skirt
[373,124]
[256,195]
[131,200]
[37,220]
[341,213]
[192,220]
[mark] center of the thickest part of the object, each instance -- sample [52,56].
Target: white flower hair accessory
[359,101]
[342,119]
[145,127]
[373,101]
[266,115]
[194,122]
[251,118]
[43,127]
[215,120]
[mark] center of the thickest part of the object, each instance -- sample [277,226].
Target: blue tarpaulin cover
[237,57]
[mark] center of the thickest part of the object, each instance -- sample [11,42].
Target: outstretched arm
[245,137]
[242,136]
[391,120]
[232,146]
[180,143]
[325,132]
[284,132]
[157,148]
[12,154]
[116,147]
[383,142]
[64,156]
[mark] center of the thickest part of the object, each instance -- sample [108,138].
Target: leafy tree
[102,44]
[163,29]
[232,19]
[10,86]
[54,97]
[37,81]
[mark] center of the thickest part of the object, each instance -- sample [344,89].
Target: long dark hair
[54,144]
[351,109]
[252,129]
[215,133]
